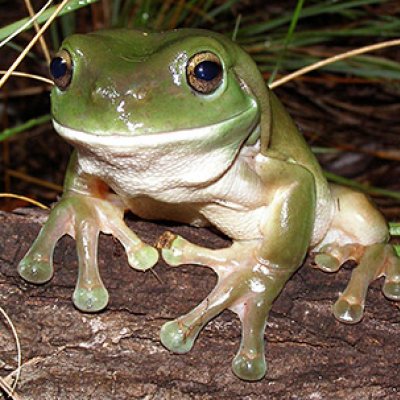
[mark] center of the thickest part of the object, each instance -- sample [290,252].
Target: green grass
[10,132]
[288,39]
[274,43]
[72,6]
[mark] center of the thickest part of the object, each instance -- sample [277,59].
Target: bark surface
[116,354]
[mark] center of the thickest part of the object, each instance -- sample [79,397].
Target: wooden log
[116,354]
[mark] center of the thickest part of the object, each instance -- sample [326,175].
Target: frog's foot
[374,261]
[246,286]
[83,218]
[176,251]
[331,257]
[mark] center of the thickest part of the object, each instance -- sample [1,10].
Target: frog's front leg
[251,273]
[85,209]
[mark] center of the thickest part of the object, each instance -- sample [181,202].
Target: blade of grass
[275,40]
[68,24]
[42,41]
[24,198]
[292,27]
[190,10]
[394,228]
[356,66]
[31,76]
[116,7]
[6,134]
[201,14]
[326,7]
[54,35]
[223,7]
[161,14]
[15,64]
[143,14]
[218,10]
[176,14]
[26,25]
[372,190]
[235,30]
[338,57]
[72,6]
[325,150]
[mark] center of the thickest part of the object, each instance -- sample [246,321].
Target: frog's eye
[61,69]
[204,72]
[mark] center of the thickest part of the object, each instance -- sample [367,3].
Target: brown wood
[116,354]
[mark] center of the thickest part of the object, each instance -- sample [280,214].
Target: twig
[36,181]
[19,355]
[15,64]
[43,44]
[330,60]
[27,23]
[31,76]
[24,198]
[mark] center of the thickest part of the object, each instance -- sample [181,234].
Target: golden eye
[61,69]
[204,72]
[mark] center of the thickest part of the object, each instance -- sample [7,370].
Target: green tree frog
[180,126]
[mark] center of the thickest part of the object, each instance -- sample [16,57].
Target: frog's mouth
[238,127]
[157,162]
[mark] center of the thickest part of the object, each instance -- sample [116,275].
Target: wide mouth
[106,139]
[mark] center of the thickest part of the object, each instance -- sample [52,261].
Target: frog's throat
[248,119]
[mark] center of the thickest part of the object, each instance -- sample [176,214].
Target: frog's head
[124,90]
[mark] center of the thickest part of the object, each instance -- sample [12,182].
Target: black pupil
[207,70]
[58,67]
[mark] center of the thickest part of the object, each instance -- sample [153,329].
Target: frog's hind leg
[358,233]
[377,260]
[249,362]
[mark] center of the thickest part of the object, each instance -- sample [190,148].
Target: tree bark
[116,354]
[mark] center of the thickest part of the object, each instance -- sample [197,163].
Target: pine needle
[24,198]
[4,386]
[26,24]
[330,60]
[15,64]
[42,42]
[31,76]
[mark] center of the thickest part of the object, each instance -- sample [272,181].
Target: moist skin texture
[146,141]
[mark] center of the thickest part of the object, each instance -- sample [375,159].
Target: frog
[180,125]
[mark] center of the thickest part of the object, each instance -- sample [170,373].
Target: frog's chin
[81,138]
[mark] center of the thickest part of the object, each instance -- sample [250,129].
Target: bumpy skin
[148,142]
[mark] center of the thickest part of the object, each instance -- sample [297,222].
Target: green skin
[141,130]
